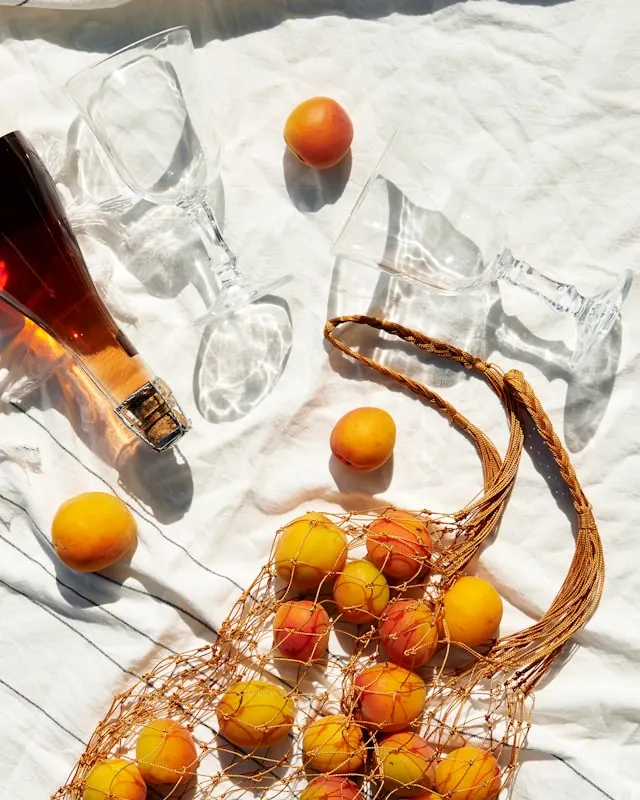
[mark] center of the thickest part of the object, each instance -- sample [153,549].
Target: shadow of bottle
[161,482]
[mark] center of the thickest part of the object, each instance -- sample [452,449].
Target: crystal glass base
[597,316]
[238,295]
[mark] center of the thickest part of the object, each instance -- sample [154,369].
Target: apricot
[165,752]
[468,773]
[255,714]
[407,763]
[388,697]
[472,611]
[399,544]
[333,744]
[331,787]
[361,592]
[92,531]
[364,438]
[408,632]
[114,778]
[301,630]
[319,132]
[310,549]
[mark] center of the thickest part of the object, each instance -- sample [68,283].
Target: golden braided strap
[529,653]
[479,517]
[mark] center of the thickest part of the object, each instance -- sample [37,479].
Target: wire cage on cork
[347,710]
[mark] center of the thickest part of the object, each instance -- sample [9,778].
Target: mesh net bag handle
[529,653]
[479,517]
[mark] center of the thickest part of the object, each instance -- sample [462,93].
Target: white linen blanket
[537,103]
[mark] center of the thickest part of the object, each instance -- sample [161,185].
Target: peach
[165,752]
[388,697]
[301,630]
[363,439]
[407,763]
[408,632]
[472,611]
[114,777]
[255,714]
[399,544]
[92,531]
[468,773]
[309,550]
[361,592]
[333,744]
[319,132]
[331,787]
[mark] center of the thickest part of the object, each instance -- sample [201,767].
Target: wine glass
[144,105]
[415,222]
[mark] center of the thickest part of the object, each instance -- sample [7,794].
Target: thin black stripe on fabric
[107,656]
[89,600]
[42,711]
[129,505]
[52,613]
[584,777]
[49,546]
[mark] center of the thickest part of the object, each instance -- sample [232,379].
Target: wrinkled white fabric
[537,105]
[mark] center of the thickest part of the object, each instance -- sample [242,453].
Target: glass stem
[560,296]
[204,221]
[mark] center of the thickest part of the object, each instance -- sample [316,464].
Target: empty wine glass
[144,105]
[413,221]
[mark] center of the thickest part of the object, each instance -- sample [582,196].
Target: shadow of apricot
[311,189]
[183,791]
[82,590]
[367,484]
[256,771]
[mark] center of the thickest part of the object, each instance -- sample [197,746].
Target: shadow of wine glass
[311,189]
[456,318]
[161,249]
[155,242]
[589,388]
[241,359]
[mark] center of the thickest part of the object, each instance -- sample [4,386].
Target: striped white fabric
[522,97]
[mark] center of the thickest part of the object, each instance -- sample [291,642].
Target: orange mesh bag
[330,681]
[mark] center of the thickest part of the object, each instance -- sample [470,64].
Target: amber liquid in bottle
[43,275]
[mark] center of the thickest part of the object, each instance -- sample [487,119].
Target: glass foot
[597,316]
[237,296]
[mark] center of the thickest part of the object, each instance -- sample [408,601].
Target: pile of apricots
[311,557]
[323,586]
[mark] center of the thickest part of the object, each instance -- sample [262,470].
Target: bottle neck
[153,414]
